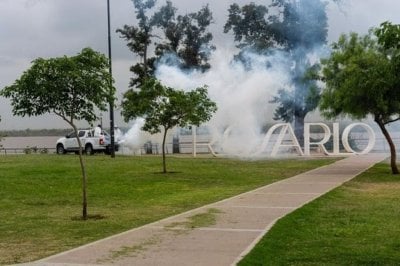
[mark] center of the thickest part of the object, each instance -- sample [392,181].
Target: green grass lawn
[40,195]
[356,224]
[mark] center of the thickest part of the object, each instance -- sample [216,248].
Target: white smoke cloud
[242,97]
[134,138]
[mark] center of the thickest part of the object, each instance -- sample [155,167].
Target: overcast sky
[49,28]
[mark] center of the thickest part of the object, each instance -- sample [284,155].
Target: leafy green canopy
[362,78]
[166,107]
[70,87]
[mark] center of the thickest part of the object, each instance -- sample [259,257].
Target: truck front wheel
[60,149]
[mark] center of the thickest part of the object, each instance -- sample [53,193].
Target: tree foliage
[195,47]
[250,27]
[283,24]
[295,104]
[301,23]
[295,28]
[185,40]
[164,108]
[71,87]
[361,77]
[167,20]
[139,39]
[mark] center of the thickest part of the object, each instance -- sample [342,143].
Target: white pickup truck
[90,143]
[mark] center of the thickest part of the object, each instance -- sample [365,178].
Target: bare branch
[393,120]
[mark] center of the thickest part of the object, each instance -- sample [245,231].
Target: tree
[361,77]
[284,24]
[164,108]
[294,105]
[139,39]
[70,87]
[295,28]
[184,38]
[195,47]
[252,30]
[171,25]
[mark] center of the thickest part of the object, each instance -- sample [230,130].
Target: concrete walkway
[239,224]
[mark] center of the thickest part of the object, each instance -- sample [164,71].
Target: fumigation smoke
[134,138]
[243,89]
[242,97]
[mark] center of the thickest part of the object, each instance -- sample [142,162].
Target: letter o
[371,138]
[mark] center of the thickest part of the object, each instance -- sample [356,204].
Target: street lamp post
[112,151]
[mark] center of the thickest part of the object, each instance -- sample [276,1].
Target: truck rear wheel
[89,149]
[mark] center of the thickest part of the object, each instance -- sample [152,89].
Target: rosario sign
[286,129]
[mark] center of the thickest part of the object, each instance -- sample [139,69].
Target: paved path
[240,223]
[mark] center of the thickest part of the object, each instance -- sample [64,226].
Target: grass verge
[40,196]
[355,224]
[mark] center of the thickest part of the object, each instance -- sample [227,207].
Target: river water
[11,145]
[23,142]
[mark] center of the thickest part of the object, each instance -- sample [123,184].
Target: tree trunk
[163,151]
[393,164]
[145,61]
[299,129]
[84,183]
